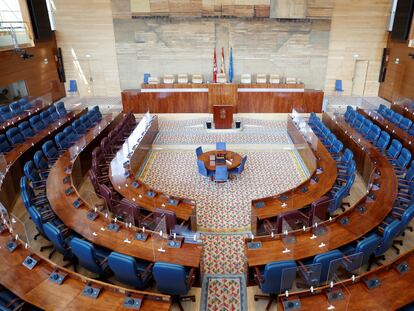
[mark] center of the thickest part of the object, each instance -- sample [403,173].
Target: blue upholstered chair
[53,113]
[199,151]
[14,136]
[389,113]
[381,109]
[9,301]
[78,127]
[345,159]
[5,112]
[358,122]
[383,141]
[89,257]
[61,141]
[394,149]
[129,271]
[70,134]
[36,123]
[97,114]
[238,170]
[338,86]
[352,117]
[405,124]
[403,159]
[37,178]
[373,134]
[16,108]
[348,112]
[366,246]
[41,162]
[275,278]
[61,110]
[396,118]
[174,280]
[86,121]
[38,220]
[221,146]
[221,173]
[203,170]
[5,145]
[366,127]
[26,130]
[50,151]
[60,238]
[325,261]
[46,117]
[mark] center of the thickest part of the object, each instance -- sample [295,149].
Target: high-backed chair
[403,159]
[46,117]
[70,134]
[221,173]
[389,113]
[202,170]
[366,127]
[16,108]
[221,146]
[394,149]
[383,141]
[50,151]
[53,113]
[61,110]
[238,170]
[174,280]
[38,221]
[14,136]
[60,240]
[36,123]
[275,278]
[358,122]
[396,118]
[86,121]
[129,271]
[199,151]
[325,261]
[37,178]
[78,127]
[373,134]
[61,141]
[26,130]
[366,246]
[41,162]
[381,109]
[89,257]
[5,112]
[405,124]
[5,145]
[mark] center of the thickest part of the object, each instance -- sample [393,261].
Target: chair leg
[397,250]
[46,247]
[36,236]
[51,253]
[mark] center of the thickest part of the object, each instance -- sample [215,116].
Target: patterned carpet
[226,206]
[224,293]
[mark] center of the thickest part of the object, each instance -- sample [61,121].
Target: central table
[231,159]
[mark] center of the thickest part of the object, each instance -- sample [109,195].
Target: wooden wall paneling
[185,7]
[288,8]
[320,8]
[222,94]
[40,78]
[358,31]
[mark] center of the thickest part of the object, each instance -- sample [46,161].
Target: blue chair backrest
[394,149]
[411,130]
[46,117]
[325,260]
[202,168]
[14,136]
[396,118]
[338,86]
[86,121]
[36,218]
[171,278]
[221,173]
[16,108]
[373,134]
[4,144]
[367,246]
[221,146]
[61,141]
[390,233]
[79,127]
[55,236]
[125,269]
[347,156]
[276,273]
[70,133]
[61,110]
[406,218]
[73,86]
[409,174]
[146,77]
[352,117]
[405,124]
[381,109]
[389,113]
[37,123]
[358,122]
[53,113]
[26,130]
[199,151]
[404,158]
[50,150]
[31,172]
[40,160]
[383,141]
[366,127]
[6,112]
[85,252]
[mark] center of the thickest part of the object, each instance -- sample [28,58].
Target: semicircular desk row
[96,231]
[37,285]
[349,226]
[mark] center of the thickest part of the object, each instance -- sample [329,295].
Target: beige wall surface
[85,34]
[358,32]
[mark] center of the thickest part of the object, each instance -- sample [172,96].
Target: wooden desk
[134,151]
[34,286]
[62,204]
[200,98]
[395,132]
[350,225]
[22,153]
[297,198]
[392,294]
[234,158]
[405,110]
